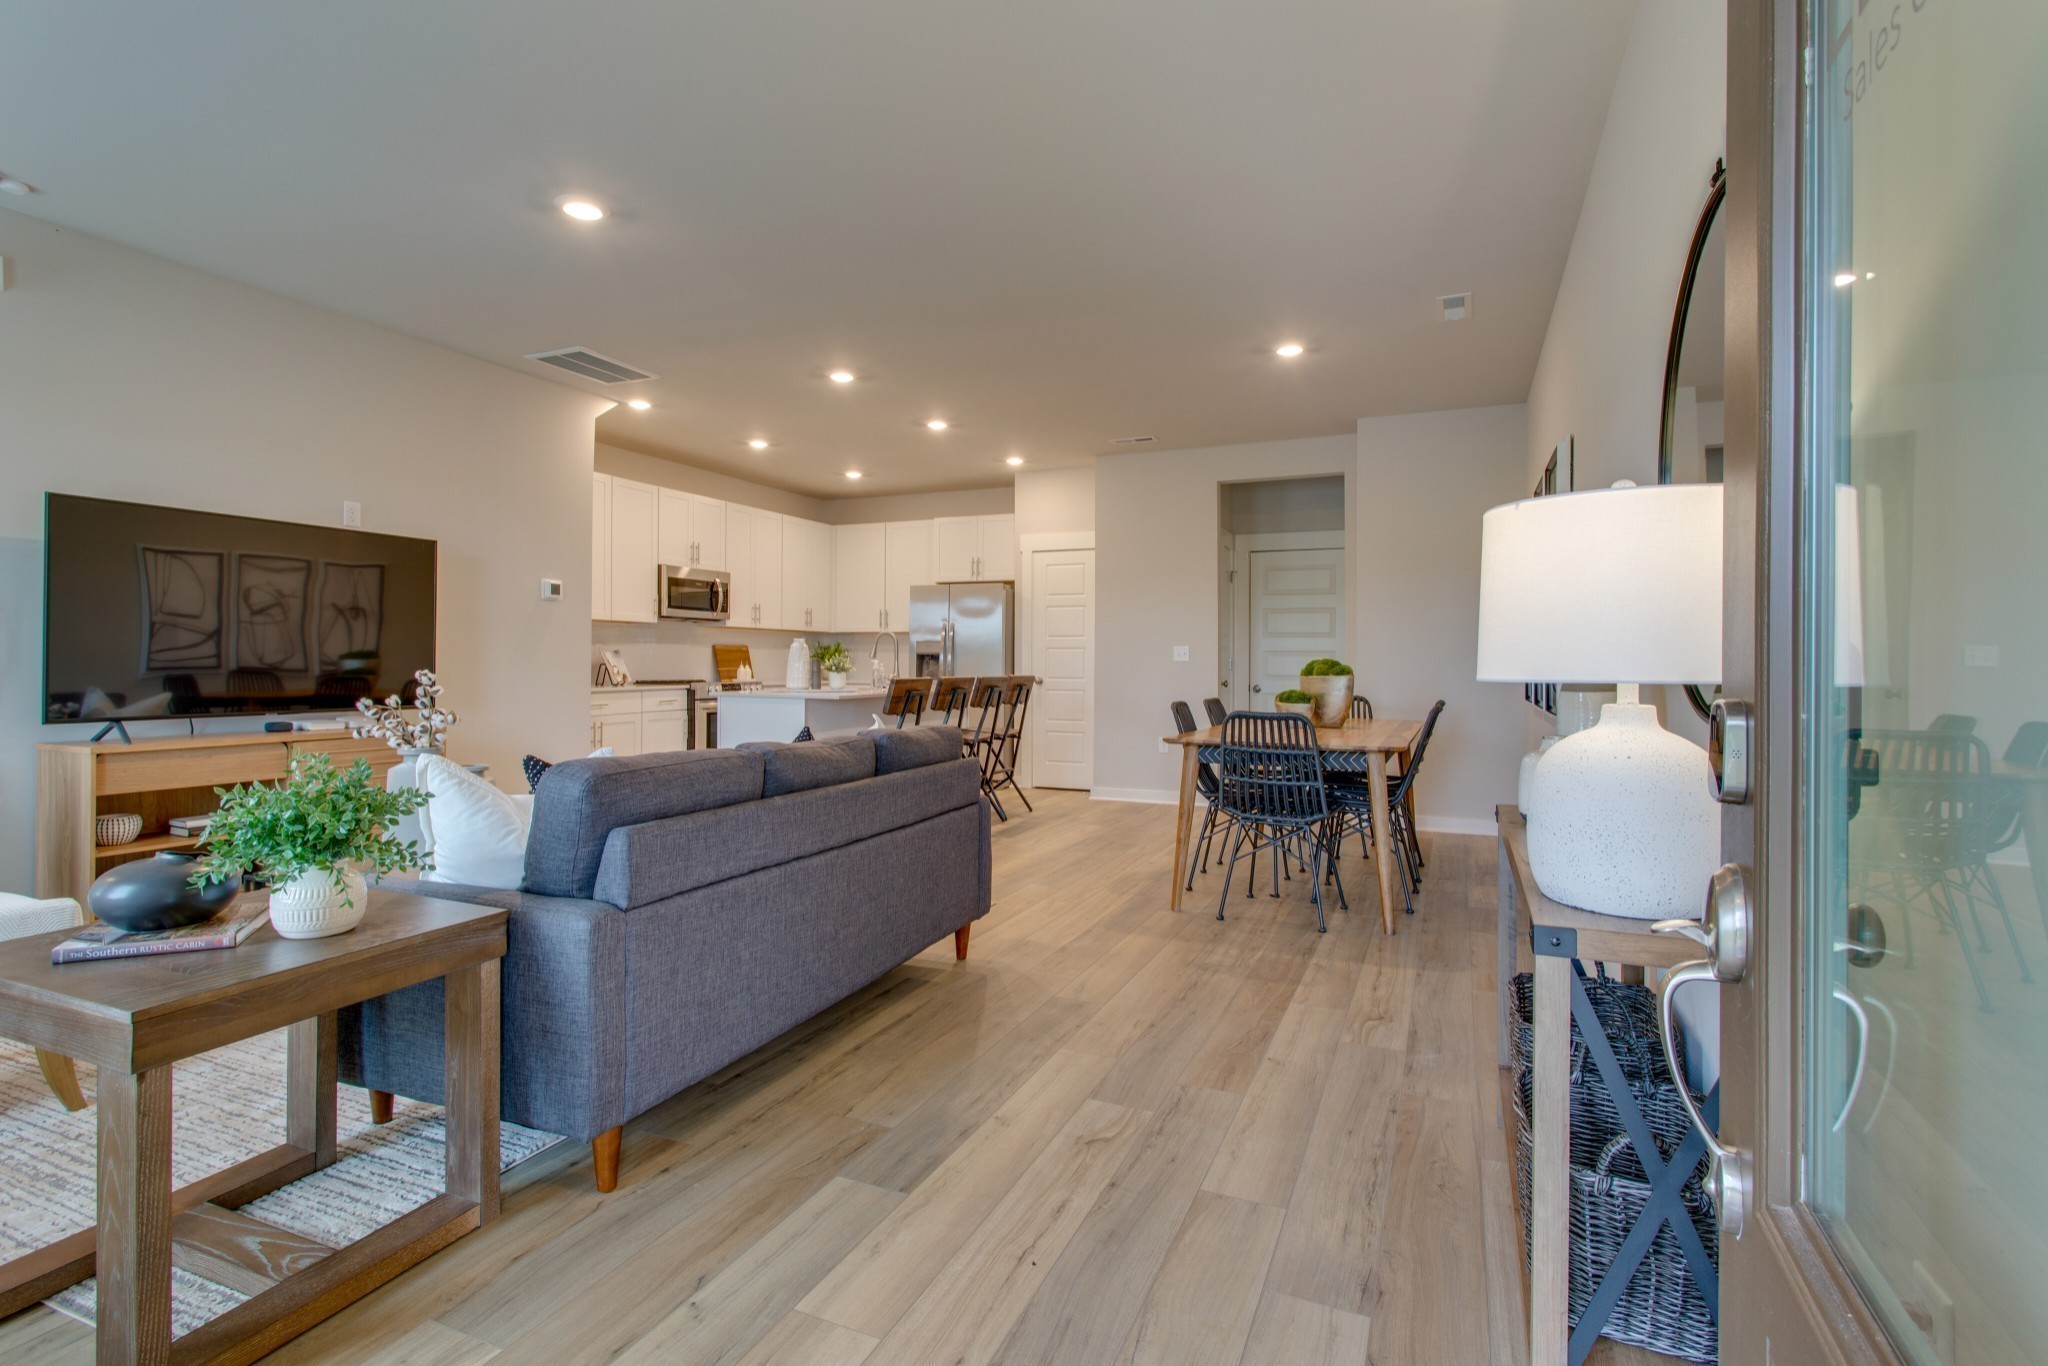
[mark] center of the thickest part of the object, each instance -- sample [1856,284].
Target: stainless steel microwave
[695,594]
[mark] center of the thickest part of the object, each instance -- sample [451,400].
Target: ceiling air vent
[581,360]
[1455,307]
[1131,440]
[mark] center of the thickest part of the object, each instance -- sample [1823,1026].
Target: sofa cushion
[802,765]
[584,800]
[913,746]
[665,858]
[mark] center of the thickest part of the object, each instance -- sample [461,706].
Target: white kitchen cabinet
[968,548]
[859,585]
[640,720]
[600,546]
[693,530]
[906,563]
[632,592]
[754,558]
[806,575]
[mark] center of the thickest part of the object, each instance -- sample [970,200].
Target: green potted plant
[1328,682]
[315,837]
[833,662]
[1296,702]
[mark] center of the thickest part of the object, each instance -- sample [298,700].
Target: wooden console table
[1560,936]
[157,779]
[134,1017]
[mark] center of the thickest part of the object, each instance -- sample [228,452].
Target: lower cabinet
[640,720]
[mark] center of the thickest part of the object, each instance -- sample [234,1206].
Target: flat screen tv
[165,612]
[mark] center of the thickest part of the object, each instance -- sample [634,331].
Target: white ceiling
[1054,222]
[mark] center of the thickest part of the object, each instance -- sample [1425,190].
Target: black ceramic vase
[157,894]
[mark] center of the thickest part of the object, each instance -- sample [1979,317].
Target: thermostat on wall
[550,590]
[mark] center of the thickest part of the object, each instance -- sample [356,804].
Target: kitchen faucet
[895,655]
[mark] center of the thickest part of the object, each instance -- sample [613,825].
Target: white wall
[1600,377]
[1155,559]
[1055,500]
[910,507]
[1424,481]
[125,376]
[673,474]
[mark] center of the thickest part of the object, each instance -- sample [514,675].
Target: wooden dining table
[1359,745]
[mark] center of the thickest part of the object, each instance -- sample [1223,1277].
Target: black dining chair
[1361,708]
[1215,709]
[1351,803]
[1270,791]
[1205,783]
[1949,723]
[2029,745]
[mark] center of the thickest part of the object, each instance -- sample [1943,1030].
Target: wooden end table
[134,1017]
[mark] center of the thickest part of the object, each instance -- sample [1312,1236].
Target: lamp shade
[1614,585]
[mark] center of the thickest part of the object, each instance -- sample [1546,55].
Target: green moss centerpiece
[1328,683]
[1296,702]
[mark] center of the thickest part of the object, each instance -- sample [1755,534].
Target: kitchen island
[779,713]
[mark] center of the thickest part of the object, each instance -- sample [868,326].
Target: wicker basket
[1662,1308]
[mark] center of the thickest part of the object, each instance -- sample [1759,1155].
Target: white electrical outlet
[1980,656]
[550,590]
[351,514]
[1180,654]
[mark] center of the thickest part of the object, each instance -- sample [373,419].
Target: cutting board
[728,659]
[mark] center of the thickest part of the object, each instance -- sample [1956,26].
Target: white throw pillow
[478,833]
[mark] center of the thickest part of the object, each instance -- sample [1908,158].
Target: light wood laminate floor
[1115,1134]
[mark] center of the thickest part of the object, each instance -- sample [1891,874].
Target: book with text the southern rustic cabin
[240,920]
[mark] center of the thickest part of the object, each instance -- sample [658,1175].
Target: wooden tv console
[156,779]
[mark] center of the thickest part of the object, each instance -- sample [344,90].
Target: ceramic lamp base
[1622,820]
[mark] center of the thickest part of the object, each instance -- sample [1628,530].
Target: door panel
[1882,1060]
[1297,614]
[1063,656]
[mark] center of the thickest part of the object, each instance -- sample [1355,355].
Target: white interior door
[1297,614]
[1063,655]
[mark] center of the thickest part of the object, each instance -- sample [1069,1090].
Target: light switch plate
[351,514]
[1180,654]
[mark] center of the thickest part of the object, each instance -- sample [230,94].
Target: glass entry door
[1891,1044]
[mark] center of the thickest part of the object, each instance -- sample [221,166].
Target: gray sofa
[680,910]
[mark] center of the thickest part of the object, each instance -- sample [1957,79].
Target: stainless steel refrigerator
[963,628]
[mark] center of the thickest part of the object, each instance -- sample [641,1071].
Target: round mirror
[1689,445]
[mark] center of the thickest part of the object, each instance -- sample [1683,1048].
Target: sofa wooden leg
[960,943]
[380,1107]
[604,1153]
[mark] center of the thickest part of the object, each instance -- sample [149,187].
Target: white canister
[319,903]
[799,675]
[1528,778]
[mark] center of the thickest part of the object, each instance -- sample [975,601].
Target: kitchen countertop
[846,694]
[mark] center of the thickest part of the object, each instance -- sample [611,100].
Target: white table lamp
[1624,585]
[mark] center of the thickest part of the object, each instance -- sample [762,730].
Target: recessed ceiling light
[580,209]
[1288,350]
[1014,460]
[759,443]
[841,377]
[638,405]
[937,424]
[1845,278]
[853,474]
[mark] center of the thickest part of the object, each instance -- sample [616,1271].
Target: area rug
[226,1106]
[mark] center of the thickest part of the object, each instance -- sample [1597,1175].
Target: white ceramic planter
[317,904]
[835,680]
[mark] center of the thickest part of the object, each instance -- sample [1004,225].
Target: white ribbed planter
[317,904]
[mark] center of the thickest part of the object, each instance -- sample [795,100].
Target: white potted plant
[315,836]
[834,663]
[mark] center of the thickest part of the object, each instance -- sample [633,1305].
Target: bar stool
[907,699]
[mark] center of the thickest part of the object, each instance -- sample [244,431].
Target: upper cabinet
[969,548]
[754,558]
[857,577]
[632,589]
[693,531]
[600,547]
[806,575]
[906,563]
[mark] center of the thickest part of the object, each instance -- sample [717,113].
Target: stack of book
[191,825]
[243,917]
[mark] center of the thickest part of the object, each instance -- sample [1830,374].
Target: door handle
[1724,932]
[1260,687]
